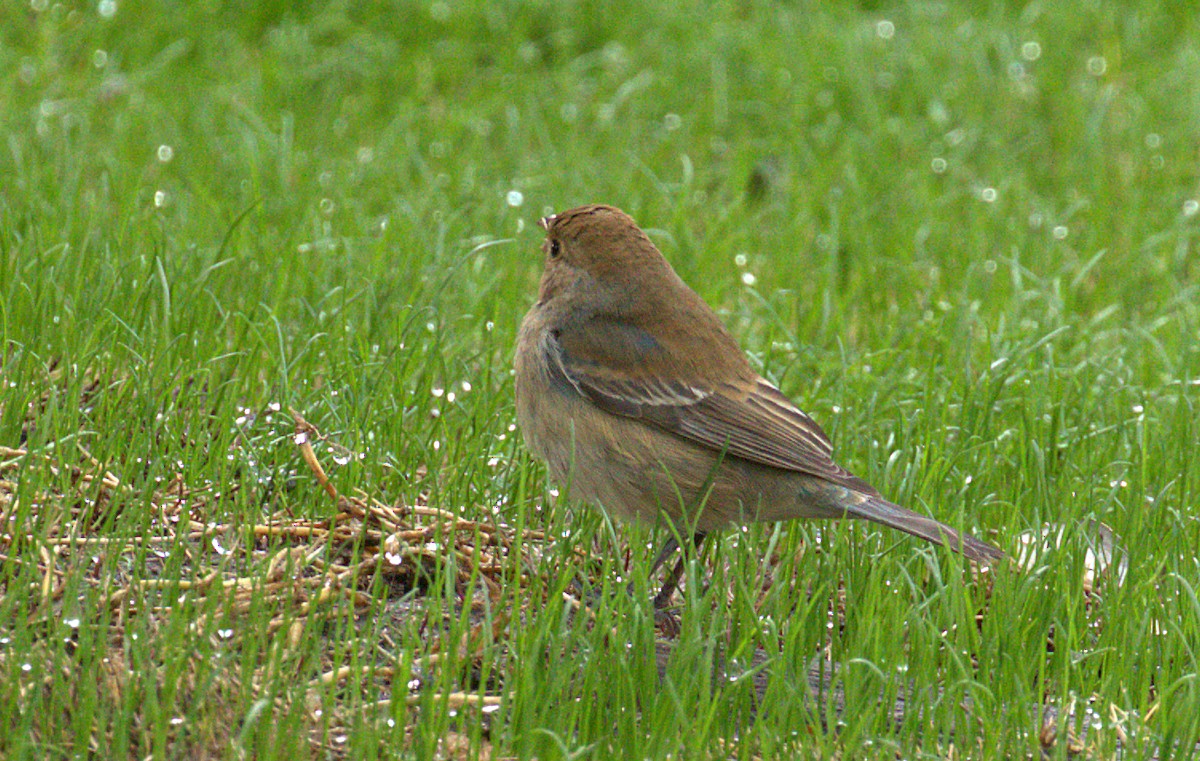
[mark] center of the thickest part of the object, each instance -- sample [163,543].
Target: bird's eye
[555,249]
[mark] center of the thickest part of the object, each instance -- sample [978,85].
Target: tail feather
[881,511]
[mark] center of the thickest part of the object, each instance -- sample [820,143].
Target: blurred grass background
[963,236]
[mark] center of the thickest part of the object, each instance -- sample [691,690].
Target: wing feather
[750,418]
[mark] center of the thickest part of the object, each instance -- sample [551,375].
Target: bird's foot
[667,622]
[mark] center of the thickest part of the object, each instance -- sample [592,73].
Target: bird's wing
[744,417]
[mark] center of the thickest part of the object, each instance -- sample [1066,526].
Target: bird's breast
[542,408]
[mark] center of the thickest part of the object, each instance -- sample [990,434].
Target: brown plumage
[635,394]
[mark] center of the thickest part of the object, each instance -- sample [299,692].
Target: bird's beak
[545,222]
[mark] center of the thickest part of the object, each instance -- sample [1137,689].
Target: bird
[638,399]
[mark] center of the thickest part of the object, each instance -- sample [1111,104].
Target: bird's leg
[668,547]
[663,598]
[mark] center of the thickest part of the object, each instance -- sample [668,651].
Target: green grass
[962,236]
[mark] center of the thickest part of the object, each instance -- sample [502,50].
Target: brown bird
[635,394]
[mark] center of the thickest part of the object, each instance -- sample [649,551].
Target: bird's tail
[879,510]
